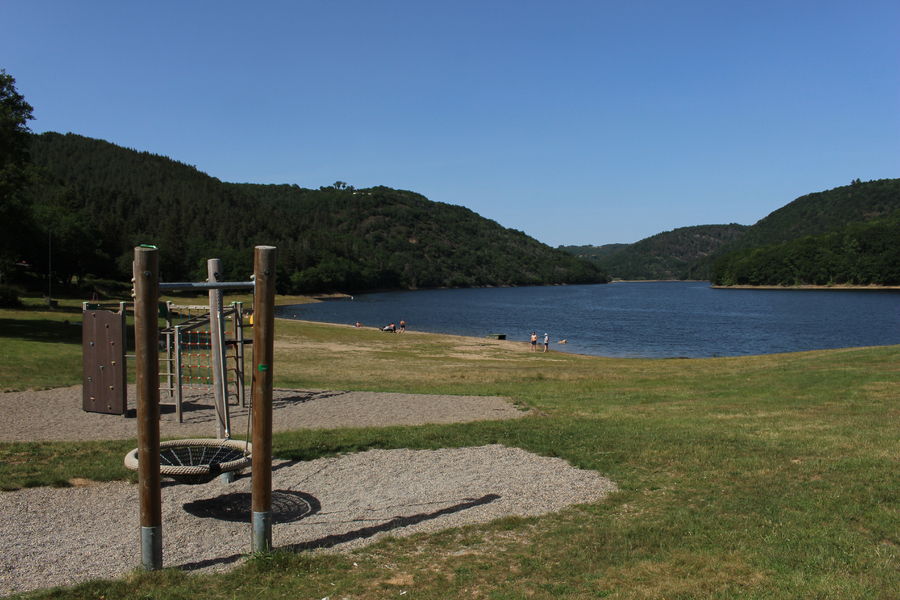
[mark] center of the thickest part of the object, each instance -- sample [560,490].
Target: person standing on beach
[534,341]
[402,326]
[546,342]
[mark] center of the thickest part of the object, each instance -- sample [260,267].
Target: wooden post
[146,326]
[263,358]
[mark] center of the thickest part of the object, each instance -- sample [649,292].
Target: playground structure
[193,347]
[204,349]
[204,456]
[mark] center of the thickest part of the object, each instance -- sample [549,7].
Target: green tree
[14,116]
[15,113]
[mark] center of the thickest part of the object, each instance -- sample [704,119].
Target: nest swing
[199,460]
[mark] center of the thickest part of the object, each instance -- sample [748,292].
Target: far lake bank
[634,319]
[813,288]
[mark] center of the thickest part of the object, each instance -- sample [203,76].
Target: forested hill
[99,200]
[824,212]
[676,254]
[594,253]
[847,235]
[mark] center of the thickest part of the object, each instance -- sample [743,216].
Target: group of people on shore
[534,341]
[390,327]
[393,327]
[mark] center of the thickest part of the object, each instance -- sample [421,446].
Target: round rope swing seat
[197,461]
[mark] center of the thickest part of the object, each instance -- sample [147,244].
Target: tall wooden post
[263,358]
[146,326]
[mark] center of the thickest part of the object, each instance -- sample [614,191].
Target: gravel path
[54,536]
[56,415]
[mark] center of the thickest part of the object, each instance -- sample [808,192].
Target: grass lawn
[751,477]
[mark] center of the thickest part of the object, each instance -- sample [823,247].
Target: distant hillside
[670,255]
[594,253]
[848,235]
[819,238]
[858,254]
[98,200]
[822,212]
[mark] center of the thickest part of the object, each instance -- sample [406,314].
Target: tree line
[866,253]
[95,201]
[676,254]
[846,235]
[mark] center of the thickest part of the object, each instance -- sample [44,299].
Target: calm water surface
[646,319]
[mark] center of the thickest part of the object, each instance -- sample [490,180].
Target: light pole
[49,268]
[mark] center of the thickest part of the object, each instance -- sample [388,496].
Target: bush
[9,297]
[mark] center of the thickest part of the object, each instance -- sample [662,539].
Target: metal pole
[170,360]
[49,269]
[124,317]
[217,350]
[239,351]
[146,296]
[263,357]
[176,382]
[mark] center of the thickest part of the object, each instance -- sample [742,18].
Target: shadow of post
[329,541]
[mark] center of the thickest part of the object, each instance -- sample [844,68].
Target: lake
[641,319]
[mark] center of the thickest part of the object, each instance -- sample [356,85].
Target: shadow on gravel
[202,409]
[330,541]
[301,397]
[236,503]
[287,506]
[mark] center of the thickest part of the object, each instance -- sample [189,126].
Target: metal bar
[169,359]
[207,285]
[124,316]
[239,351]
[263,357]
[217,350]
[177,368]
[146,289]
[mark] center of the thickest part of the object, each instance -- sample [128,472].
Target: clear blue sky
[585,122]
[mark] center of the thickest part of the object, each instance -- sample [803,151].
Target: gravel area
[62,536]
[56,415]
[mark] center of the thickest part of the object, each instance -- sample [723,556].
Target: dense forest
[594,253]
[865,253]
[676,254]
[93,201]
[822,212]
[847,235]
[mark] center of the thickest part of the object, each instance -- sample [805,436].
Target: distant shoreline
[852,288]
[837,288]
[659,280]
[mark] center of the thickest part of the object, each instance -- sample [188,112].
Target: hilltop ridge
[844,236]
[100,200]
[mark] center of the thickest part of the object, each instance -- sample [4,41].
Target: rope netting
[199,460]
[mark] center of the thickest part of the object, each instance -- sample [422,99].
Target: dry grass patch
[682,574]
